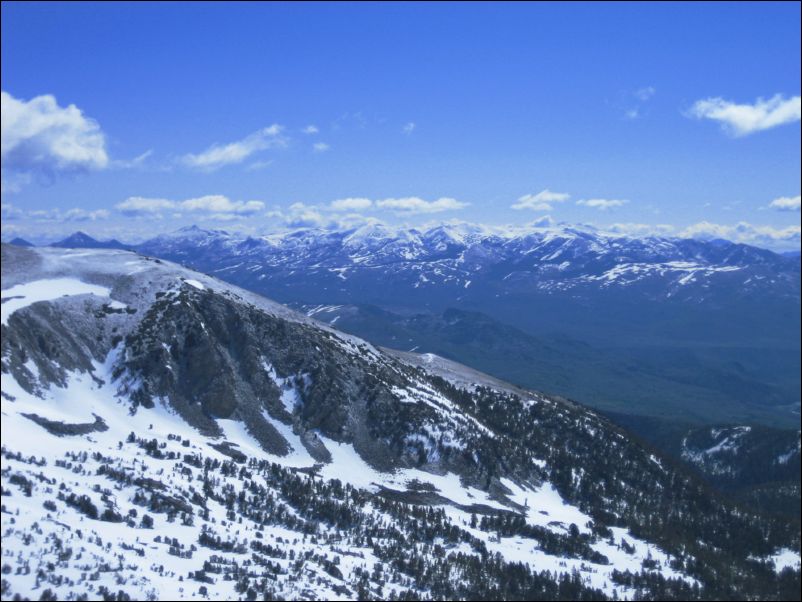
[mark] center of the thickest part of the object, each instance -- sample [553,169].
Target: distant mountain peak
[81,240]
[20,242]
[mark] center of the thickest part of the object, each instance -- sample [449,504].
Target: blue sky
[677,118]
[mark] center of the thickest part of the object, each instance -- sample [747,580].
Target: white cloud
[137,161]
[138,206]
[41,138]
[350,204]
[636,101]
[743,119]
[216,206]
[218,155]
[744,232]
[82,215]
[320,147]
[416,205]
[602,204]
[542,201]
[310,129]
[645,93]
[409,128]
[785,203]
[259,165]
[303,216]
[220,205]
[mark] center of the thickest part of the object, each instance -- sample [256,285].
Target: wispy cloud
[409,127]
[638,229]
[645,93]
[636,101]
[219,155]
[320,147]
[70,215]
[259,165]
[416,205]
[13,213]
[542,201]
[9,211]
[310,129]
[134,163]
[602,204]
[785,203]
[743,119]
[42,139]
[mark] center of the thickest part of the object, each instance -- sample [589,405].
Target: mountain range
[705,329]
[167,434]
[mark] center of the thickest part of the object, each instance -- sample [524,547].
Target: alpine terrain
[168,435]
[654,326]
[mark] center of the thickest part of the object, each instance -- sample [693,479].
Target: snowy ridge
[167,435]
[551,260]
[170,548]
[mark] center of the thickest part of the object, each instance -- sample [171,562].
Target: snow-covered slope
[167,436]
[458,256]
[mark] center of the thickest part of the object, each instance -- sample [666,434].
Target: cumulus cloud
[785,203]
[742,119]
[220,204]
[602,204]
[744,232]
[320,147]
[542,201]
[350,204]
[43,139]
[140,206]
[215,206]
[301,215]
[416,205]
[219,155]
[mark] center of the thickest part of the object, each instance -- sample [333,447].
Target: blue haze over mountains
[694,332]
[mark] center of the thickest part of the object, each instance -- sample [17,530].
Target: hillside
[166,435]
[678,319]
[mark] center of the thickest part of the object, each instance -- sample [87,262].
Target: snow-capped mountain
[706,329]
[454,258]
[167,435]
